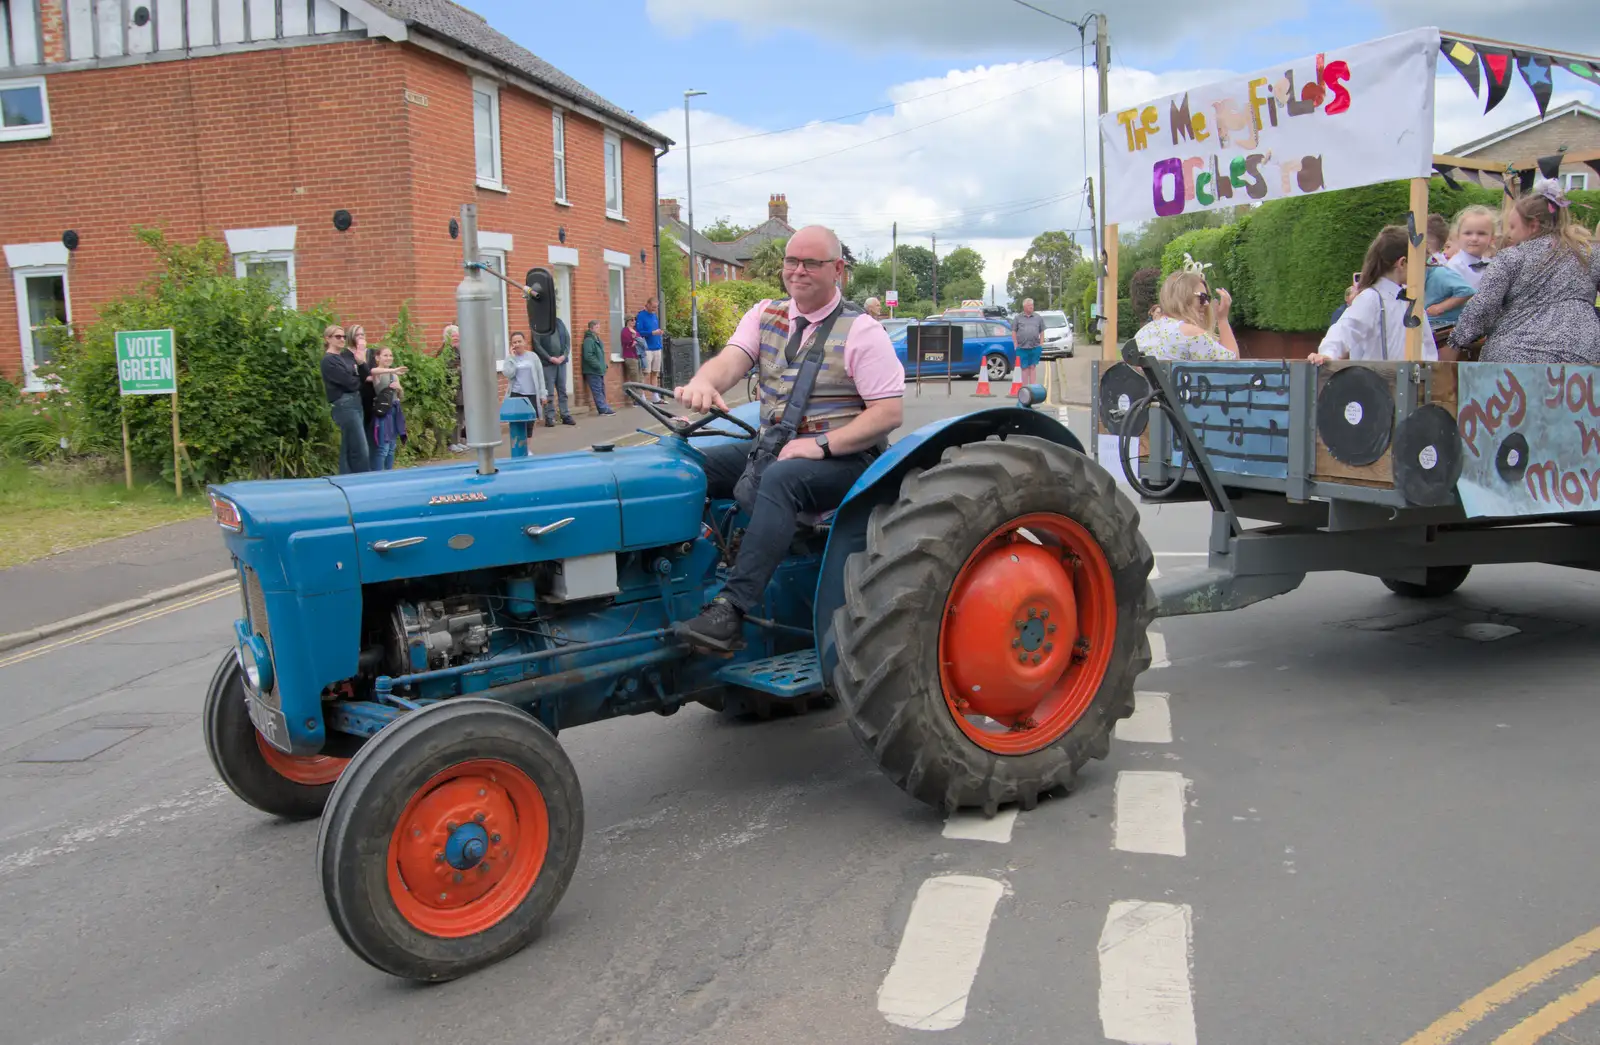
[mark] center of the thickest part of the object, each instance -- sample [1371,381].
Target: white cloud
[1569,24]
[1004,163]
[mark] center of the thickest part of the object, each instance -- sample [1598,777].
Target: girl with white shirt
[1373,328]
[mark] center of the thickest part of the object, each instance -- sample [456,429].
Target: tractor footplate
[786,675]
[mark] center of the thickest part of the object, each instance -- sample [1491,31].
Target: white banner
[1339,120]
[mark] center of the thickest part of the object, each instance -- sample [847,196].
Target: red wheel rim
[310,770]
[436,884]
[1027,633]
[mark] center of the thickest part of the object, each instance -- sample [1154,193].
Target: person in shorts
[648,324]
[1027,332]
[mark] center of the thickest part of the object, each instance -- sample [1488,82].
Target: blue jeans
[597,391]
[352,440]
[385,459]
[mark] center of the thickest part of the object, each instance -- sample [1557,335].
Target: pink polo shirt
[869,358]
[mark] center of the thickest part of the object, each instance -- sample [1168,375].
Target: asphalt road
[1378,818]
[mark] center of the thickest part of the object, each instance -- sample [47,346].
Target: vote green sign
[147,365]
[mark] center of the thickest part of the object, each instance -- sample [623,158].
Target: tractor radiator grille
[255,604]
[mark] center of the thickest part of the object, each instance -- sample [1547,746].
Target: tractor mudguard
[881,483]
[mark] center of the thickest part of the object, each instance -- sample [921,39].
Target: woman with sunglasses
[342,382]
[1190,322]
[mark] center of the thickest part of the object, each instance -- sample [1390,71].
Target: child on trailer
[1374,326]
[1474,235]
[1447,290]
[1537,299]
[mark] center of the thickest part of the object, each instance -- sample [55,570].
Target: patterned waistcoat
[835,401]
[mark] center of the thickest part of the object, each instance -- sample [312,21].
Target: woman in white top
[1374,326]
[1188,313]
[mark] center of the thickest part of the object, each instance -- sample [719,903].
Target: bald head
[815,241]
[812,269]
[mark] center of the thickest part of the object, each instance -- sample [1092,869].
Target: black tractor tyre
[888,629]
[1441,581]
[363,820]
[235,751]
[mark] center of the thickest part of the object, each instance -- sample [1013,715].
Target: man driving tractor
[827,408]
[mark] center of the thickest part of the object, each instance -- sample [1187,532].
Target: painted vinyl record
[1427,457]
[1121,388]
[1511,461]
[1355,415]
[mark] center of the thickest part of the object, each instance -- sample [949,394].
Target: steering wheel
[682,427]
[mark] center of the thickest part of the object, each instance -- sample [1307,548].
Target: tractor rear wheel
[994,626]
[295,787]
[1439,582]
[450,839]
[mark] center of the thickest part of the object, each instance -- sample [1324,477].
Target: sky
[978,133]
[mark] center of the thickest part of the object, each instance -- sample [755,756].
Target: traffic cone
[1016,382]
[983,383]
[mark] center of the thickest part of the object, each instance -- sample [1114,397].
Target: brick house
[256,122]
[1574,127]
[716,260]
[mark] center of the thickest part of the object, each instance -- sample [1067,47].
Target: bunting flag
[1587,70]
[1535,69]
[1550,166]
[1497,68]
[1464,58]
[1445,173]
[1594,165]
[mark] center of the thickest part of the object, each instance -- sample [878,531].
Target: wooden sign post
[1417,267]
[1109,349]
[147,365]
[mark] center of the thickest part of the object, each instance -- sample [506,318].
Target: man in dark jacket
[555,352]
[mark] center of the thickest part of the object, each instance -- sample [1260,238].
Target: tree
[868,279]
[1041,273]
[767,261]
[723,230]
[959,266]
[967,288]
[674,287]
[916,271]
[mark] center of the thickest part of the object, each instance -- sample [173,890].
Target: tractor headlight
[226,513]
[255,660]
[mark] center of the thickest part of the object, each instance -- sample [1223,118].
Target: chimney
[668,209]
[778,207]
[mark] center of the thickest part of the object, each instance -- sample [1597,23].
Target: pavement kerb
[116,609]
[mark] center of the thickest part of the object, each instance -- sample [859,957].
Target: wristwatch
[827,451]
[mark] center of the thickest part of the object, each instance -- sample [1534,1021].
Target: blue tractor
[411,642]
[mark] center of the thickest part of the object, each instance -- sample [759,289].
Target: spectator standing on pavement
[874,308]
[388,417]
[452,358]
[1027,331]
[632,345]
[342,383]
[594,368]
[356,344]
[649,326]
[555,352]
[523,370]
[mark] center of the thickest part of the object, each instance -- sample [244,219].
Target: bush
[430,392]
[1144,290]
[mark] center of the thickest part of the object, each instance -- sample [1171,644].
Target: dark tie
[799,334]
[1478,266]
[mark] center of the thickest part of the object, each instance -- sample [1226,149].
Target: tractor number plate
[269,722]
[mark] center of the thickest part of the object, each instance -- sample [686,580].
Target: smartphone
[1355,279]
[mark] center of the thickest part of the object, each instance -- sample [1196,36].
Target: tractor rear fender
[880,484]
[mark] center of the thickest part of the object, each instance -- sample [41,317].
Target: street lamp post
[688,163]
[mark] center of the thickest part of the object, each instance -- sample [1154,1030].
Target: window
[499,328]
[39,277]
[266,252]
[559,149]
[613,176]
[1577,182]
[24,109]
[486,132]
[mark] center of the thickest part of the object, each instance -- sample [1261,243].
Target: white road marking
[1155,572]
[1150,808]
[1150,723]
[1183,555]
[976,827]
[932,974]
[1484,632]
[1158,651]
[1145,991]
[165,811]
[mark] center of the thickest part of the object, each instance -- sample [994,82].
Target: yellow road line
[126,622]
[1547,1019]
[1452,1025]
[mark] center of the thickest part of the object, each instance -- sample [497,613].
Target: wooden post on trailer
[1109,348]
[1417,267]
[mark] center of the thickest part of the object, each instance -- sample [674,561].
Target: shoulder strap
[1383,323]
[800,396]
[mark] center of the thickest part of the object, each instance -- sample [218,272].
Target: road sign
[146,363]
[892,298]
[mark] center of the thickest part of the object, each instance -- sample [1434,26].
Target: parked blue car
[985,343]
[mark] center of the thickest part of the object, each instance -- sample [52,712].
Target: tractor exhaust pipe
[474,295]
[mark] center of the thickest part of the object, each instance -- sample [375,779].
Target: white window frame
[33,260]
[32,131]
[497,246]
[1578,182]
[491,90]
[558,150]
[613,140]
[621,316]
[267,244]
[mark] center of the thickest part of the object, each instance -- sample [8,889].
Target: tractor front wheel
[295,787]
[450,839]
[994,626]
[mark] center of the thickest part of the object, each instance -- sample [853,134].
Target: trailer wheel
[295,787]
[1441,581]
[450,839]
[994,626]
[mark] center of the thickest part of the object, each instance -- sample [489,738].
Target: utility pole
[1102,62]
[894,263]
[688,164]
[936,273]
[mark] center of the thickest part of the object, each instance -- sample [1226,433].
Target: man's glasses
[809,264]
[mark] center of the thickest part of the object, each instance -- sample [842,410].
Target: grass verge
[53,508]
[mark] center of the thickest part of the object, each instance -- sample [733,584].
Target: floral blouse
[1164,338]
[1537,305]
